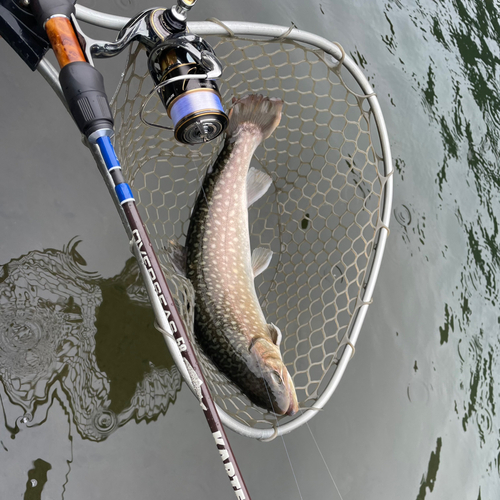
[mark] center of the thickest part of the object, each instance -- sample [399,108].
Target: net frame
[384,159]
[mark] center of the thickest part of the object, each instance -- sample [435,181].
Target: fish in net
[324,217]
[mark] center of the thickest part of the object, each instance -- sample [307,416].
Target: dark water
[415,416]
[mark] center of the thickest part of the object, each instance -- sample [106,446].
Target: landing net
[323,217]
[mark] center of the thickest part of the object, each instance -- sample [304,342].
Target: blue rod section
[108,152]
[122,189]
[124,193]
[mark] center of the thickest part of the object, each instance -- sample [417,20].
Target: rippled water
[91,404]
[59,330]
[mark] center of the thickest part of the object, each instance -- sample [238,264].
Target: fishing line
[291,466]
[288,455]
[324,461]
[204,194]
[201,180]
[282,438]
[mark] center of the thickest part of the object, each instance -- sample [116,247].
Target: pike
[229,322]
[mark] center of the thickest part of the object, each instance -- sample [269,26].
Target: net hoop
[241,31]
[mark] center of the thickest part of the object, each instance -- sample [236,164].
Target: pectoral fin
[257,184]
[261,257]
[275,333]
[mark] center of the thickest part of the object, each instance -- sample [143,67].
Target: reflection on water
[37,477]
[411,226]
[478,365]
[448,327]
[65,329]
[455,75]
[429,478]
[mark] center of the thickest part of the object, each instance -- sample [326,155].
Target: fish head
[278,391]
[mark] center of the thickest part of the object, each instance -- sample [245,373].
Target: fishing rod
[175,58]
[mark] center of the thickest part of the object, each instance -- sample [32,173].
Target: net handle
[69,54]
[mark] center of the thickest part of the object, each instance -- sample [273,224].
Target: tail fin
[255,109]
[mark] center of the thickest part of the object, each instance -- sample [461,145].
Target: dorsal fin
[258,183]
[275,333]
[261,257]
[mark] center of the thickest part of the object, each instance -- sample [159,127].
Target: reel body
[178,67]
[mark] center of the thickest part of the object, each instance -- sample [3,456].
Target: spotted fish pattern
[229,322]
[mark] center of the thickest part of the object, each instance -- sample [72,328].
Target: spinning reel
[181,67]
[184,68]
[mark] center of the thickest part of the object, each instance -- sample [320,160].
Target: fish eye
[276,377]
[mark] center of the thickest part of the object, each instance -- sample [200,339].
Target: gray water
[415,415]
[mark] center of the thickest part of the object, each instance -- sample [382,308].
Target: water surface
[416,414]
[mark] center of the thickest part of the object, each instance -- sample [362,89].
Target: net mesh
[320,217]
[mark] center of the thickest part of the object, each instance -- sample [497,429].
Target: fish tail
[264,112]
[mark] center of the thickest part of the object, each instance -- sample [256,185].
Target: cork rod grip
[63,39]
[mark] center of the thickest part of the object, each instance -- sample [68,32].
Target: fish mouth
[293,407]
[292,410]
